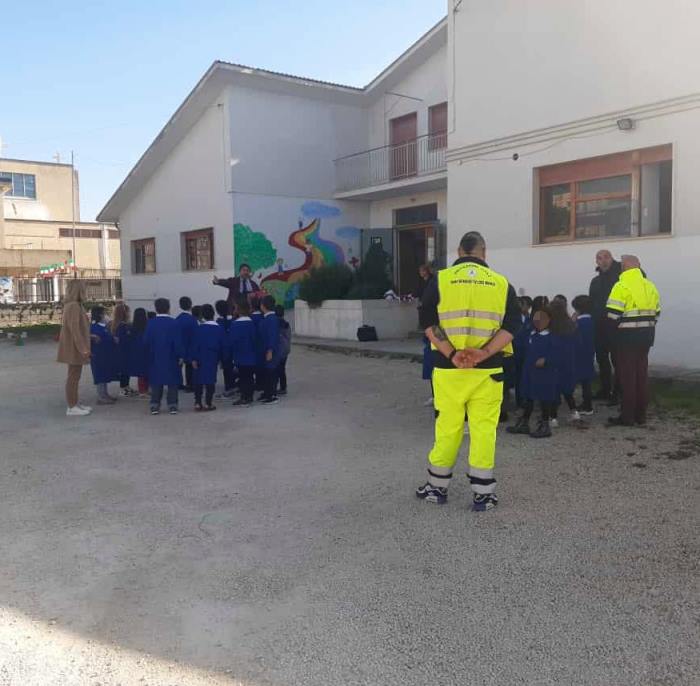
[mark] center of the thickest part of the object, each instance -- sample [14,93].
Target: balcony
[418,164]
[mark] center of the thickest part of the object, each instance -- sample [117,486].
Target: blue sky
[102,77]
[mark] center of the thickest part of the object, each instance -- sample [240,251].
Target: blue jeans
[157,396]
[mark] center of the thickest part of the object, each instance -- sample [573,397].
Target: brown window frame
[593,169]
[437,137]
[193,236]
[142,243]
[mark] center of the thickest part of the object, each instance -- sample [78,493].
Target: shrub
[372,278]
[328,282]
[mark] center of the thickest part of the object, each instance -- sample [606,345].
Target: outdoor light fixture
[625,124]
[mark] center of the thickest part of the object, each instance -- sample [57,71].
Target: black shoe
[618,421]
[432,494]
[522,426]
[543,430]
[260,398]
[282,391]
[172,410]
[155,410]
[270,401]
[242,403]
[210,408]
[484,501]
[613,401]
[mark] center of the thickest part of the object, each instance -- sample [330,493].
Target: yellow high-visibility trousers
[476,393]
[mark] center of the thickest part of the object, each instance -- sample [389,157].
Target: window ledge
[609,239]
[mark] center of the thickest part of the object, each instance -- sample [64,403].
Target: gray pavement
[283,545]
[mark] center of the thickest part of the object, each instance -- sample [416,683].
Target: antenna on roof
[57,157]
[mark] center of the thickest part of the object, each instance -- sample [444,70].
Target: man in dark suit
[241,286]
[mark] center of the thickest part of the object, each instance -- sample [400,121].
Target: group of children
[250,345]
[553,354]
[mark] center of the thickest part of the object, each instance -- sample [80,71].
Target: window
[198,250]
[23,185]
[143,256]
[625,194]
[437,126]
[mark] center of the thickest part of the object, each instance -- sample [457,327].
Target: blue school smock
[164,349]
[565,349]
[270,337]
[585,349]
[138,357]
[244,342]
[122,351]
[257,318]
[224,324]
[521,340]
[540,384]
[207,351]
[102,358]
[427,360]
[187,326]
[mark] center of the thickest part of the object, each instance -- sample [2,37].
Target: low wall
[24,315]
[340,319]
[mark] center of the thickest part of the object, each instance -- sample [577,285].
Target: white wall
[428,82]
[187,192]
[535,64]
[381,212]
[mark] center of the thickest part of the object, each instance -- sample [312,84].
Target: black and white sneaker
[172,410]
[242,403]
[484,501]
[155,410]
[432,494]
[270,401]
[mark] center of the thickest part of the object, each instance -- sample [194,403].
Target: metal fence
[418,157]
[45,290]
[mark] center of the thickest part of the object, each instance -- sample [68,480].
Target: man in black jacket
[608,273]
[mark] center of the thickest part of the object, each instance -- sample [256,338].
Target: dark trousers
[208,390]
[270,383]
[245,382]
[189,374]
[529,406]
[259,375]
[157,396]
[124,381]
[229,375]
[571,403]
[587,395]
[282,374]
[604,355]
[632,368]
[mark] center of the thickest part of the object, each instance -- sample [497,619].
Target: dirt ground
[283,545]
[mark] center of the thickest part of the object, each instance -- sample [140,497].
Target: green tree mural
[253,248]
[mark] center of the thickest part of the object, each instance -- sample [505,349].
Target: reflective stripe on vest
[643,324]
[472,304]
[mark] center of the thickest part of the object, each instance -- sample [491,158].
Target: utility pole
[72,204]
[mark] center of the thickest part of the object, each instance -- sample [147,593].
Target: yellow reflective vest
[472,304]
[634,305]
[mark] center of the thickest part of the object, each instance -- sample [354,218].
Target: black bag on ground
[367,333]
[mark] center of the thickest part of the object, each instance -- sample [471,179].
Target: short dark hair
[526,300]
[279,310]
[243,307]
[582,304]
[471,241]
[539,303]
[254,302]
[561,297]
[208,312]
[162,305]
[222,308]
[185,303]
[197,311]
[268,302]
[245,264]
[97,313]
[151,314]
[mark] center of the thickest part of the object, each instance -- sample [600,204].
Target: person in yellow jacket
[633,309]
[470,314]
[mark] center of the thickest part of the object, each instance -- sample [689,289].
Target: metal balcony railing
[418,157]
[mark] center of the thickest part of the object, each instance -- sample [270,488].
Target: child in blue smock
[224,320]
[564,335]
[269,343]
[121,330]
[165,355]
[539,378]
[187,324]
[585,351]
[243,337]
[137,354]
[285,347]
[257,316]
[103,349]
[520,343]
[207,353]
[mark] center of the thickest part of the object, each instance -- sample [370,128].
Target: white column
[56,292]
[34,290]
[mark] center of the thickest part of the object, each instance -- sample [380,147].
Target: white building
[536,145]
[548,81]
[285,173]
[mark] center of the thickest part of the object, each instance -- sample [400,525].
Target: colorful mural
[252,248]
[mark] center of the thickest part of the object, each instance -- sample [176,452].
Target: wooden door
[403,132]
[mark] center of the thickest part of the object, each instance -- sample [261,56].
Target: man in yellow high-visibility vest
[470,314]
[633,309]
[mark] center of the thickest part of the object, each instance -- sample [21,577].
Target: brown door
[413,250]
[403,157]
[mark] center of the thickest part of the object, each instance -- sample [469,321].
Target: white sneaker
[85,407]
[77,411]
[554,423]
[429,402]
[575,416]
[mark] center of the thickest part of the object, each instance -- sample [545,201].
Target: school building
[556,132]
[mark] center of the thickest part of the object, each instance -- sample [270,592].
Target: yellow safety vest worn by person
[634,306]
[470,302]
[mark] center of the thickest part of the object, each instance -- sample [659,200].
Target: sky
[101,78]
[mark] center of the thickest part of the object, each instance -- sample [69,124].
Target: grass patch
[670,395]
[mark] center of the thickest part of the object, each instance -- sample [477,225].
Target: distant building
[39,203]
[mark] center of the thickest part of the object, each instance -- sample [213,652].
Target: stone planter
[340,319]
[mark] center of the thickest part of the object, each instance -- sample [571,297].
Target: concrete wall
[53,192]
[542,70]
[187,192]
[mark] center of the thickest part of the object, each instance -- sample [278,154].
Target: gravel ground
[284,546]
